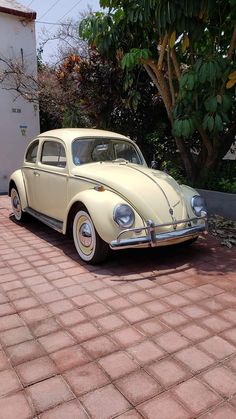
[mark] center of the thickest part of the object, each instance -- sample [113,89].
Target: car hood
[152,193]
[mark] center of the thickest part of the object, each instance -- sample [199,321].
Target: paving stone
[9,382]
[25,303]
[49,393]
[86,378]
[25,351]
[44,327]
[4,361]
[222,412]
[35,314]
[105,403]
[171,341]
[11,321]
[166,406]
[218,347]
[96,310]
[119,303]
[195,359]
[84,331]
[168,372]
[146,352]
[68,410]
[68,358]
[15,406]
[118,364]
[36,370]
[14,336]
[215,323]
[110,322]
[100,346]
[55,341]
[71,318]
[151,327]
[138,387]
[173,319]
[131,414]
[194,332]
[196,396]
[222,380]
[127,336]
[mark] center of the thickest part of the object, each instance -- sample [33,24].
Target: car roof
[69,134]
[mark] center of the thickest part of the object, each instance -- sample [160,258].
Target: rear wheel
[18,213]
[89,245]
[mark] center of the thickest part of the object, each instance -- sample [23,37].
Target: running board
[49,221]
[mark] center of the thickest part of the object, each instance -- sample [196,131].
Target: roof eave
[25,15]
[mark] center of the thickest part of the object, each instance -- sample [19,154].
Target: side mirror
[154,164]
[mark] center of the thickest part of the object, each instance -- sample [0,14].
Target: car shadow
[205,257]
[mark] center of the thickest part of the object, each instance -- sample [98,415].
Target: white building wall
[19,120]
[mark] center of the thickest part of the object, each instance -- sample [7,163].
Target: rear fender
[17,180]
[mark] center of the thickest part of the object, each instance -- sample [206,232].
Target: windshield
[91,150]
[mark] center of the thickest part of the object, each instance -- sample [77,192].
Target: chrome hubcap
[16,202]
[85,235]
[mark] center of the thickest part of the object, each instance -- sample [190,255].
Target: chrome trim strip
[151,241]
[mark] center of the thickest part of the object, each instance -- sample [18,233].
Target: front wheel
[89,245]
[18,213]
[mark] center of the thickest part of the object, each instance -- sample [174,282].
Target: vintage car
[97,185]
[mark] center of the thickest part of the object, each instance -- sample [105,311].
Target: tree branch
[232,45]
[162,47]
[170,77]
[175,63]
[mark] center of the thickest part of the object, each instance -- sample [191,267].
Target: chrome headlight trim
[123,215]
[199,206]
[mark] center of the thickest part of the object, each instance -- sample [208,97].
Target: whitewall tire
[89,245]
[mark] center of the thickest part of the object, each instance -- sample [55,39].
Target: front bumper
[153,239]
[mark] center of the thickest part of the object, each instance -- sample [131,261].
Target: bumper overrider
[153,239]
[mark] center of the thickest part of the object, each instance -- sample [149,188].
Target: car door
[29,173]
[52,179]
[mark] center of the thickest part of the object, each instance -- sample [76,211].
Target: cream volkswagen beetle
[97,184]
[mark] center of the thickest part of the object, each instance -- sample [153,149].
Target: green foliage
[222,179]
[200,103]
[134,57]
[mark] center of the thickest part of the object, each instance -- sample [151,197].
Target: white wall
[17,36]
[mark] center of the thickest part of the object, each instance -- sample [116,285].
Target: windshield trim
[110,138]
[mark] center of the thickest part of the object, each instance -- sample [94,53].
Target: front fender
[18,180]
[100,206]
[188,193]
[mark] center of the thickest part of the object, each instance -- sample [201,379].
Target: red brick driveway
[150,334]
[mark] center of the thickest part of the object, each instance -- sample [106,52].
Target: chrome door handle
[36,173]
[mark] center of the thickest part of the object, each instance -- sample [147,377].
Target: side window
[53,154]
[31,153]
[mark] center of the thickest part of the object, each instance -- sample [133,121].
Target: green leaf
[226,103]
[211,104]
[218,123]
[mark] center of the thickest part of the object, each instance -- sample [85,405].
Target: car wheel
[89,245]
[18,213]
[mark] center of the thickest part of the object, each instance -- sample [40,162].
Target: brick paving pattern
[150,334]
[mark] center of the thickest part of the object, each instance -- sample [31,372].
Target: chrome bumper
[153,239]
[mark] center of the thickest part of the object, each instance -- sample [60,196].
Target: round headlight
[199,206]
[123,215]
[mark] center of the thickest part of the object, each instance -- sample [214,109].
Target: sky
[49,15]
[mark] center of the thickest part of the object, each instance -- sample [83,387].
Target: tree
[187,48]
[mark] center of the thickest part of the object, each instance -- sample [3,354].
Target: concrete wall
[220,203]
[17,42]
